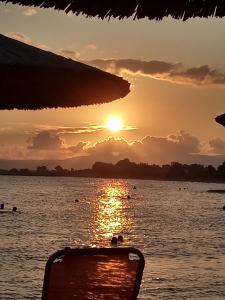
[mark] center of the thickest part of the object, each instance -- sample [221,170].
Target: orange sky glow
[176,70]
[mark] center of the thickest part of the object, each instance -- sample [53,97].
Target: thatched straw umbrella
[221,119]
[178,9]
[31,78]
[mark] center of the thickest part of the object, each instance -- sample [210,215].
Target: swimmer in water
[114,241]
[2,206]
[14,209]
[120,238]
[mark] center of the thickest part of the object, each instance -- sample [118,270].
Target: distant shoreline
[119,178]
[124,169]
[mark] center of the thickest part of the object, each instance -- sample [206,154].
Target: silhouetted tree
[127,169]
[59,169]
[176,171]
[41,170]
[13,171]
[221,170]
[102,169]
[196,171]
[211,171]
[25,172]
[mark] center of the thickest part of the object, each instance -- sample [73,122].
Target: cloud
[111,148]
[166,149]
[217,146]
[11,152]
[68,53]
[92,47]
[132,66]
[46,140]
[182,147]
[187,142]
[89,128]
[78,148]
[29,12]
[20,37]
[25,39]
[173,72]
[49,144]
[150,149]
[202,75]
[83,129]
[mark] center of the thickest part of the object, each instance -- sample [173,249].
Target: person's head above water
[120,238]
[114,241]
[2,206]
[14,208]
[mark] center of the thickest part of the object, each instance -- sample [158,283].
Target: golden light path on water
[111,210]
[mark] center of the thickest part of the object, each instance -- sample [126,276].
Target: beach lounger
[93,274]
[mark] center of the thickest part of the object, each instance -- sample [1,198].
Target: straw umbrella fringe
[31,78]
[178,9]
[221,119]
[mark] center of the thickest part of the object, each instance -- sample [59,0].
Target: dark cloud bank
[183,148]
[46,140]
[172,72]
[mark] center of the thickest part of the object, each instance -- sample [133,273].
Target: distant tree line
[127,169]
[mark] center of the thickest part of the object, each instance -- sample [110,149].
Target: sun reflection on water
[111,210]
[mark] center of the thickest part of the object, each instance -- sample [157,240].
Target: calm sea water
[177,225]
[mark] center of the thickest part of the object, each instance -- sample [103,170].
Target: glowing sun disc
[114,124]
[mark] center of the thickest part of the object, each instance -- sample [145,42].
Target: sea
[178,226]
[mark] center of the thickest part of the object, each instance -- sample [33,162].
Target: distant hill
[28,164]
[84,162]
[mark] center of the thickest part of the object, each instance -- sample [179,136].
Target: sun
[114,124]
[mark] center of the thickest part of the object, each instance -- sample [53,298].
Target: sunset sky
[177,73]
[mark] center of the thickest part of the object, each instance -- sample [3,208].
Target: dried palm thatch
[220,119]
[178,9]
[31,78]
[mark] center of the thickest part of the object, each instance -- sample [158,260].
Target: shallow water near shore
[177,225]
